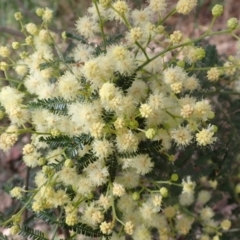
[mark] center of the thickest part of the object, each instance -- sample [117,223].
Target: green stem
[144,52]
[101,24]
[10,80]
[181,45]
[173,11]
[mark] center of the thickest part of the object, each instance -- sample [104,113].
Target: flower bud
[164,192]
[232,23]
[18,16]
[135,196]
[3,66]
[4,51]
[174,177]
[29,40]
[39,11]
[225,224]
[181,63]
[68,163]
[15,45]
[217,10]
[150,133]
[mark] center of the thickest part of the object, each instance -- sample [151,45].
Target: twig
[11,31]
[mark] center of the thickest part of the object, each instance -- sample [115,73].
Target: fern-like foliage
[77,37]
[30,233]
[112,165]
[85,230]
[124,82]
[85,160]
[144,147]
[55,64]
[71,144]
[109,41]
[58,165]
[3,237]
[56,105]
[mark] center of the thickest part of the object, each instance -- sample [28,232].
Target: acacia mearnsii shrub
[134,133]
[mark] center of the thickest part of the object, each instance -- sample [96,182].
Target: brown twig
[11,31]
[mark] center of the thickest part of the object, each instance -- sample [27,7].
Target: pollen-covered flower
[185,6]
[213,74]
[182,136]
[206,136]
[188,185]
[87,27]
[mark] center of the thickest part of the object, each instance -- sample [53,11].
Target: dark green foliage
[144,147]
[124,82]
[56,105]
[107,116]
[57,166]
[112,165]
[76,37]
[55,64]
[85,160]
[85,230]
[31,233]
[101,47]
[3,237]
[70,144]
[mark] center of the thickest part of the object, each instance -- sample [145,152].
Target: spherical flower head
[145,110]
[18,16]
[213,74]
[107,91]
[185,6]
[128,228]
[182,136]
[163,191]
[29,40]
[174,177]
[232,23]
[176,37]
[206,213]
[32,28]
[118,189]
[187,110]
[200,53]
[142,233]
[17,192]
[203,197]
[121,7]
[205,136]
[14,230]
[217,10]
[102,148]
[127,142]
[4,51]
[39,11]
[15,45]
[157,6]
[106,227]
[186,199]
[86,26]
[150,133]
[69,163]
[169,212]
[135,35]
[3,66]
[47,15]
[226,224]
[105,3]
[28,149]
[183,224]
[188,185]
[230,68]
